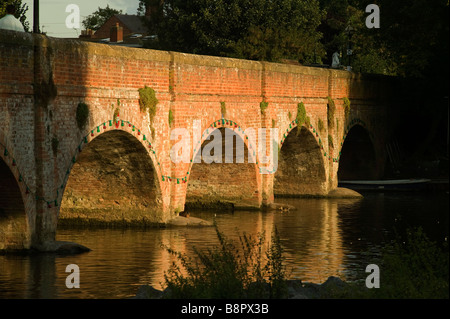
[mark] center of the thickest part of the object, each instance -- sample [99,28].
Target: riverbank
[333,287]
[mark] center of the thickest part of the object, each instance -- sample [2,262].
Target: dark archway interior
[113,172]
[13,224]
[226,184]
[301,169]
[357,161]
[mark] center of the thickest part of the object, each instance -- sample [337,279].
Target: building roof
[133,22]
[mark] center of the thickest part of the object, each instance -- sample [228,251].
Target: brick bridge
[116,166]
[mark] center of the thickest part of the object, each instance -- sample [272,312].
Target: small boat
[389,184]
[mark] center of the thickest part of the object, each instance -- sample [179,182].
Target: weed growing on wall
[301,118]
[331,108]
[147,103]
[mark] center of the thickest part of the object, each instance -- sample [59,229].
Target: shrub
[230,271]
[413,266]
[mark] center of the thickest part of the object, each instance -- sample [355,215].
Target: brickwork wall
[42,81]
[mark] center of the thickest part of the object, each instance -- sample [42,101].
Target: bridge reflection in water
[121,260]
[322,238]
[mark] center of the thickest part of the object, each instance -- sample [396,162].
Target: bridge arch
[301,166]
[357,159]
[113,178]
[233,183]
[15,232]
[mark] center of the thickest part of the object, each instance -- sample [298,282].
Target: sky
[53,13]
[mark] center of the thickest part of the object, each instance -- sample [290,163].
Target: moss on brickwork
[148,101]
[346,106]
[330,141]
[171,118]
[223,109]
[82,115]
[116,115]
[331,112]
[263,106]
[301,117]
[320,125]
[45,91]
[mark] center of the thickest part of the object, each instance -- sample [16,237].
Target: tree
[251,29]
[95,20]
[21,10]
[152,10]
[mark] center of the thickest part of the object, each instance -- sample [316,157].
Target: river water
[321,238]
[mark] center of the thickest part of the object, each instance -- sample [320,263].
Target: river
[321,238]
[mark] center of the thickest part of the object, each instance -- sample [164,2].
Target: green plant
[331,109]
[274,123]
[116,115]
[82,115]
[148,102]
[223,109]
[320,125]
[301,117]
[290,115]
[414,267]
[263,106]
[330,141]
[231,270]
[346,106]
[171,118]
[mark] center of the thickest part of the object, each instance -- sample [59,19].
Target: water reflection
[321,238]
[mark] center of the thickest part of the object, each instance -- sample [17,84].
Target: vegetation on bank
[231,270]
[412,267]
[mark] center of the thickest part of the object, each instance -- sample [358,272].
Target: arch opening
[113,181]
[301,171]
[229,181]
[357,161]
[13,218]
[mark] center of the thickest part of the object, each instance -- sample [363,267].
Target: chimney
[116,33]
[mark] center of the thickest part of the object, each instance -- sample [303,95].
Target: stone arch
[234,185]
[14,224]
[113,180]
[357,160]
[301,167]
